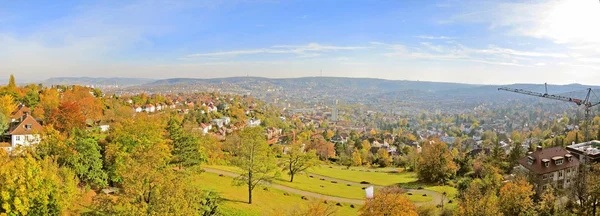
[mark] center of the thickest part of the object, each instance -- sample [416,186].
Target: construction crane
[585,102]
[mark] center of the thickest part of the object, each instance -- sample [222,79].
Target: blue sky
[485,42]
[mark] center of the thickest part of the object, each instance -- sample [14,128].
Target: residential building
[552,167]
[21,111]
[586,151]
[23,133]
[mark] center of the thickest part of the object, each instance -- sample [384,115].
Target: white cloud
[434,37]
[309,50]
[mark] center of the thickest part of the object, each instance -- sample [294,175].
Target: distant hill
[323,83]
[97,81]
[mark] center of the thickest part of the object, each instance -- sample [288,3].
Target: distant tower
[334,111]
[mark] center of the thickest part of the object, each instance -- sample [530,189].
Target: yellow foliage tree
[515,197]
[7,105]
[389,201]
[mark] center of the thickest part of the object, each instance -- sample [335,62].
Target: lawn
[271,202]
[305,183]
[383,177]
[418,197]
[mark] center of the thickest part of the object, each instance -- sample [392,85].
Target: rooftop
[591,148]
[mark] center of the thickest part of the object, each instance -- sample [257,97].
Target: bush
[351,205]
[286,194]
[427,210]
[424,195]
[410,194]
[334,182]
[338,204]
[348,185]
[364,182]
[304,198]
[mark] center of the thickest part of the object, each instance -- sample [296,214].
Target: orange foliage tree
[323,148]
[90,106]
[67,116]
[389,201]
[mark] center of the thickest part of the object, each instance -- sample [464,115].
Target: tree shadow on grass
[235,201]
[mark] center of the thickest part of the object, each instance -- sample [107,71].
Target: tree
[389,201]
[356,158]
[547,204]
[86,159]
[7,105]
[12,84]
[3,123]
[324,149]
[31,187]
[435,162]
[67,116]
[383,158]
[255,158]
[186,150]
[516,153]
[476,200]
[516,197]
[296,160]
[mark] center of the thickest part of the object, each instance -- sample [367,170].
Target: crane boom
[544,95]
[586,102]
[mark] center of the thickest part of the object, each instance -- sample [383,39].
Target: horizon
[472,42]
[171,78]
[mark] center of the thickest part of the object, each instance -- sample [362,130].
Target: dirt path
[437,198]
[293,190]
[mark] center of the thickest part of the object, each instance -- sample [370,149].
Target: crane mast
[585,102]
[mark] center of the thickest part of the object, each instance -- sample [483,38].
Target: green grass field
[383,177]
[271,202]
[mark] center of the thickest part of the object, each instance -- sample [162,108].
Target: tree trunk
[249,187]
[291,177]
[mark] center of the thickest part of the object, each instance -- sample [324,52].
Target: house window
[546,164]
[28,126]
[569,170]
[18,138]
[544,177]
[558,162]
[568,181]
[560,174]
[570,159]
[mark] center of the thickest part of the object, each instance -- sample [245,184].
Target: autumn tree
[383,158]
[315,208]
[90,106]
[516,197]
[324,149]
[255,158]
[478,201]
[3,123]
[435,163]
[389,201]
[296,160]
[67,116]
[32,187]
[547,203]
[7,105]
[12,84]
[356,158]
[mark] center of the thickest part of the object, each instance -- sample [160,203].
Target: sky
[480,42]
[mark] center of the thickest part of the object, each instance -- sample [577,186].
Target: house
[24,132]
[104,128]
[21,111]
[552,167]
[586,151]
[137,108]
[150,108]
[253,122]
[205,128]
[212,108]
[159,106]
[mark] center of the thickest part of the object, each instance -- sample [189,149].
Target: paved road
[436,196]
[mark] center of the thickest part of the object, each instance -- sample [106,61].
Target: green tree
[383,158]
[255,158]
[12,84]
[87,159]
[186,149]
[296,160]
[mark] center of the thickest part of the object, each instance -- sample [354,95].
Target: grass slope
[271,202]
[382,177]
